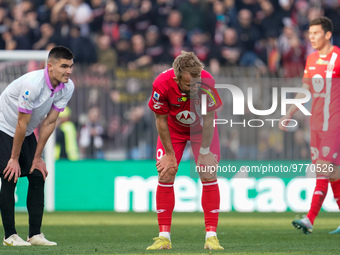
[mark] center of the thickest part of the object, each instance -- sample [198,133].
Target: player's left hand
[39,163]
[209,159]
[283,118]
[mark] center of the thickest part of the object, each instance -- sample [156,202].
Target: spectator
[111,24]
[90,140]
[138,57]
[230,11]
[45,11]
[154,46]
[106,56]
[143,20]
[5,23]
[173,24]
[221,21]
[66,137]
[80,14]
[82,47]
[193,15]
[161,10]
[97,18]
[123,51]
[199,44]
[47,36]
[292,52]
[229,52]
[63,27]
[271,21]
[176,45]
[137,146]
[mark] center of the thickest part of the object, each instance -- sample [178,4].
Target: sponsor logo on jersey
[311,68]
[157,105]
[182,99]
[325,151]
[177,105]
[320,61]
[156,96]
[186,117]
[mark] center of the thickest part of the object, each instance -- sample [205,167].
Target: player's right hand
[165,163]
[12,170]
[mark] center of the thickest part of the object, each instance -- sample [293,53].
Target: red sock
[319,195]
[336,191]
[211,204]
[165,200]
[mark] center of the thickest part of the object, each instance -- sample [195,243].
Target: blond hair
[187,62]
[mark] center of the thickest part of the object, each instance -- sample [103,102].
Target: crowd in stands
[268,34]
[143,35]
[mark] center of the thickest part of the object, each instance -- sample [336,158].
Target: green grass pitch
[131,233]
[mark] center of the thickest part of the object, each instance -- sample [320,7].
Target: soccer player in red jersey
[321,78]
[176,103]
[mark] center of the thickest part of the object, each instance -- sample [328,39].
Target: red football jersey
[322,73]
[184,113]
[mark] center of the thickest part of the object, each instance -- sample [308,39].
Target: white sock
[209,234]
[165,234]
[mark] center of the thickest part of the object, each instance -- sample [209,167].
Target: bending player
[35,97]
[176,103]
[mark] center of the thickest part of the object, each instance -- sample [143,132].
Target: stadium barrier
[124,186]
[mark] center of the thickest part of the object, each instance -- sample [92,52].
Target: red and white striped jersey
[322,73]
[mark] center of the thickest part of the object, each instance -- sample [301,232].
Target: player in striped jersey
[321,78]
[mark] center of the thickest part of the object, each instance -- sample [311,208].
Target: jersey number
[315,153]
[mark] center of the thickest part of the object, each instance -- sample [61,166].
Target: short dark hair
[61,52]
[325,23]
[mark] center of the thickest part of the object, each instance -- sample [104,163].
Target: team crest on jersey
[330,68]
[186,117]
[156,96]
[325,151]
[182,99]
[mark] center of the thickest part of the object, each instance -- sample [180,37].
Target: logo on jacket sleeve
[156,96]
[26,94]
